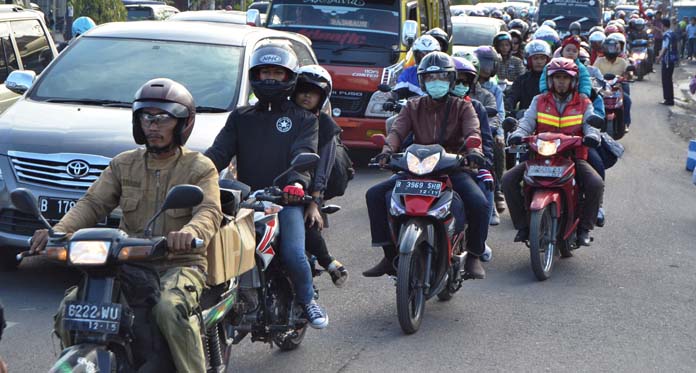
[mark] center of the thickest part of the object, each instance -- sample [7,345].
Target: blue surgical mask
[460,90]
[437,89]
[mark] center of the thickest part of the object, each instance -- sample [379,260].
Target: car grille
[350,106]
[51,170]
[17,222]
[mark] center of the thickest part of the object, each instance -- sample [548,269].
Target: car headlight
[89,252]
[547,148]
[423,167]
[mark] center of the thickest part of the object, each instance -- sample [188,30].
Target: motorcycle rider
[613,63]
[596,40]
[575,29]
[407,84]
[510,67]
[264,138]
[79,27]
[517,44]
[570,48]
[441,36]
[312,92]
[422,117]
[164,114]
[524,88]
[562,104]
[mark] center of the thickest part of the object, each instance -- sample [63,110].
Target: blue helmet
[82,25]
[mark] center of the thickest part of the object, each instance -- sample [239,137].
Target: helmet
[621,24]
[424,45]
[497,14]
[611,29]
[650,13]
[620,14]
[82,25]
[516,34]
[639,24]
[524,13]
[633,16]
[501,36]
[597,37]
[273,54]
[518,24]
[506,18]
[436,62]
[510,11]
[488,60]
[317,76]
[596,28]
[548,35]
[471,57]
[584,56]
[611,48]
[549,23]
[620,38]
[171,97]
[441,36]
[462,65]
[575,28]
[536,47]
[564,66]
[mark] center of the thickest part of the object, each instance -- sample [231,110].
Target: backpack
[341,173]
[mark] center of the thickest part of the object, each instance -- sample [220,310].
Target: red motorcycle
[612,92]
[431,255]
[552,198]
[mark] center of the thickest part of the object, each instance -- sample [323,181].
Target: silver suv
[59,137]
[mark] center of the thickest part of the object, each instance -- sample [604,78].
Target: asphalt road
[625,304]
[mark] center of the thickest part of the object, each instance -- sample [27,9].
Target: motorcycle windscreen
[85,358]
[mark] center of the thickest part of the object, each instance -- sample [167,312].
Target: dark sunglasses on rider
[159,119]
[462,81]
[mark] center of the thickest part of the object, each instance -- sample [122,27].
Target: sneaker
[584,237]
[317,317]
[601,219]
[487,255]
[495,218]
[500,204]
[338,273]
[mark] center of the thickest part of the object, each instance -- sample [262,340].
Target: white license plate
[545,171]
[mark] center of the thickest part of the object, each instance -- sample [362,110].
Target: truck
[362,44]
[564,12]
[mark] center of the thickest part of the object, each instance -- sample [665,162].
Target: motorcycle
[431,257]
[266,306]
[108,322]
[639,56]
[611,90]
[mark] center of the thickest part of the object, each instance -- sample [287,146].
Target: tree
[101,11]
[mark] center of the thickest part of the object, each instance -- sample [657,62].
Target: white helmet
[317,76]
[597,37]
[424,45]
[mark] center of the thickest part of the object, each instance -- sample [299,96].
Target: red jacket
[569,122]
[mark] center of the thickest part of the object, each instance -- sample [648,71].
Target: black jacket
[328,132]
[523,90]
[265,139]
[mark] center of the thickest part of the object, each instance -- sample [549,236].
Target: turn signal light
[134,252]
[57,253]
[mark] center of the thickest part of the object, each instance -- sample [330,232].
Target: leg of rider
[593,188]
[476,210]
[595,160]
[627,105]
[64,335]
[513,195]
[499,169]
[458,213]
[292,252]
[181,290]
[315,244]
[377,210]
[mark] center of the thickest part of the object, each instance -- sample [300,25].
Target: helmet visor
[175,109]
[429,77]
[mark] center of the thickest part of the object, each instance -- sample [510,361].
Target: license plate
[55,208]
[545,171]
[418,188]
[104,318]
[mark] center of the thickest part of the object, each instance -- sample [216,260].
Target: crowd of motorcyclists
[549,83]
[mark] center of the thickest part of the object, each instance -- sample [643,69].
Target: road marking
[11,324]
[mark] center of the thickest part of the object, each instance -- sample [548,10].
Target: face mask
[437,89]
[460,90]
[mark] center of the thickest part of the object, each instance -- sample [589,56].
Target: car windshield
[140,14]
[332,17]
[472,34]
[112,69]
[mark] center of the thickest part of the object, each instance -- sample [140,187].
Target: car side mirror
[179,197]
[253,17]
[509,124]
[408,33]
[20,81]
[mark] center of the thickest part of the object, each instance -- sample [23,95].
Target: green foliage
[101,11]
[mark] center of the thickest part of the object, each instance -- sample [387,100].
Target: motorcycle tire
[446,294]
[541,248]
[410,297]
[618,126]
[292,341]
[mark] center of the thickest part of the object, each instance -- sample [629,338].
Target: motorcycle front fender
[543,198]
[409,237]
[85,358]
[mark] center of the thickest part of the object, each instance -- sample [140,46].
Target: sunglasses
[164,119]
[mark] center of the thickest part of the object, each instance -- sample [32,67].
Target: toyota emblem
[77,169]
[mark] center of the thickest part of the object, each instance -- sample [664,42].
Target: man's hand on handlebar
[179,241]
[38,241]
[475,159]
[514,140]
[383,157]
[293,193]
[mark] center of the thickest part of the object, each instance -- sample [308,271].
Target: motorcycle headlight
[423,167]
[89,252]
[547,148]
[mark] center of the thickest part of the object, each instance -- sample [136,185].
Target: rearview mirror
[20,81]
[23,199]
[253,17]
[179,197]
[304,162]
[408,33]
[509,124]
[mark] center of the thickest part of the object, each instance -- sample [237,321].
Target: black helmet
[437,62]
[273,54]
[611,48]
[518,24]
[501,36]
[575,28]
[488,60]
[171,97]
[314,76]
[441,36]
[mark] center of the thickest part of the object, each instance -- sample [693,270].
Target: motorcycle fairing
[85,358]
[266,233]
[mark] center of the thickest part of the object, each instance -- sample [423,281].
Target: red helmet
[561,65]
[611,29]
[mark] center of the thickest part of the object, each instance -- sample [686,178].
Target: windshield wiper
[91,101]
[210,109]
[357,46]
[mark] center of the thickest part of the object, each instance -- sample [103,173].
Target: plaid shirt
[510,69]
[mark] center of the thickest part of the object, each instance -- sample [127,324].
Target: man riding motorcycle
[424,117]
[562,109]
[264,138]
[407,84]
[164,113]
[524,88]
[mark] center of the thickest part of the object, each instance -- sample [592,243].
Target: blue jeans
[292,252]
[595,160]
[627,104]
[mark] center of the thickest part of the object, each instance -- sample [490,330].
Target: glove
[514,140]
[486,177]
[294,191]
[382,158]
[590,141]
[475,159]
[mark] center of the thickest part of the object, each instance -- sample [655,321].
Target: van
[362,44]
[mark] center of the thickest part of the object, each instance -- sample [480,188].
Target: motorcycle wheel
[290,340]
[410,298]
[446,294]
[541,247]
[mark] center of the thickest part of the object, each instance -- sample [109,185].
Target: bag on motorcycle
[341,173]
[231,251]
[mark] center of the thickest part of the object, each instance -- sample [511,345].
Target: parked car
[27,45]
[150,12]
[76,116]
[217,16]
[472,32]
